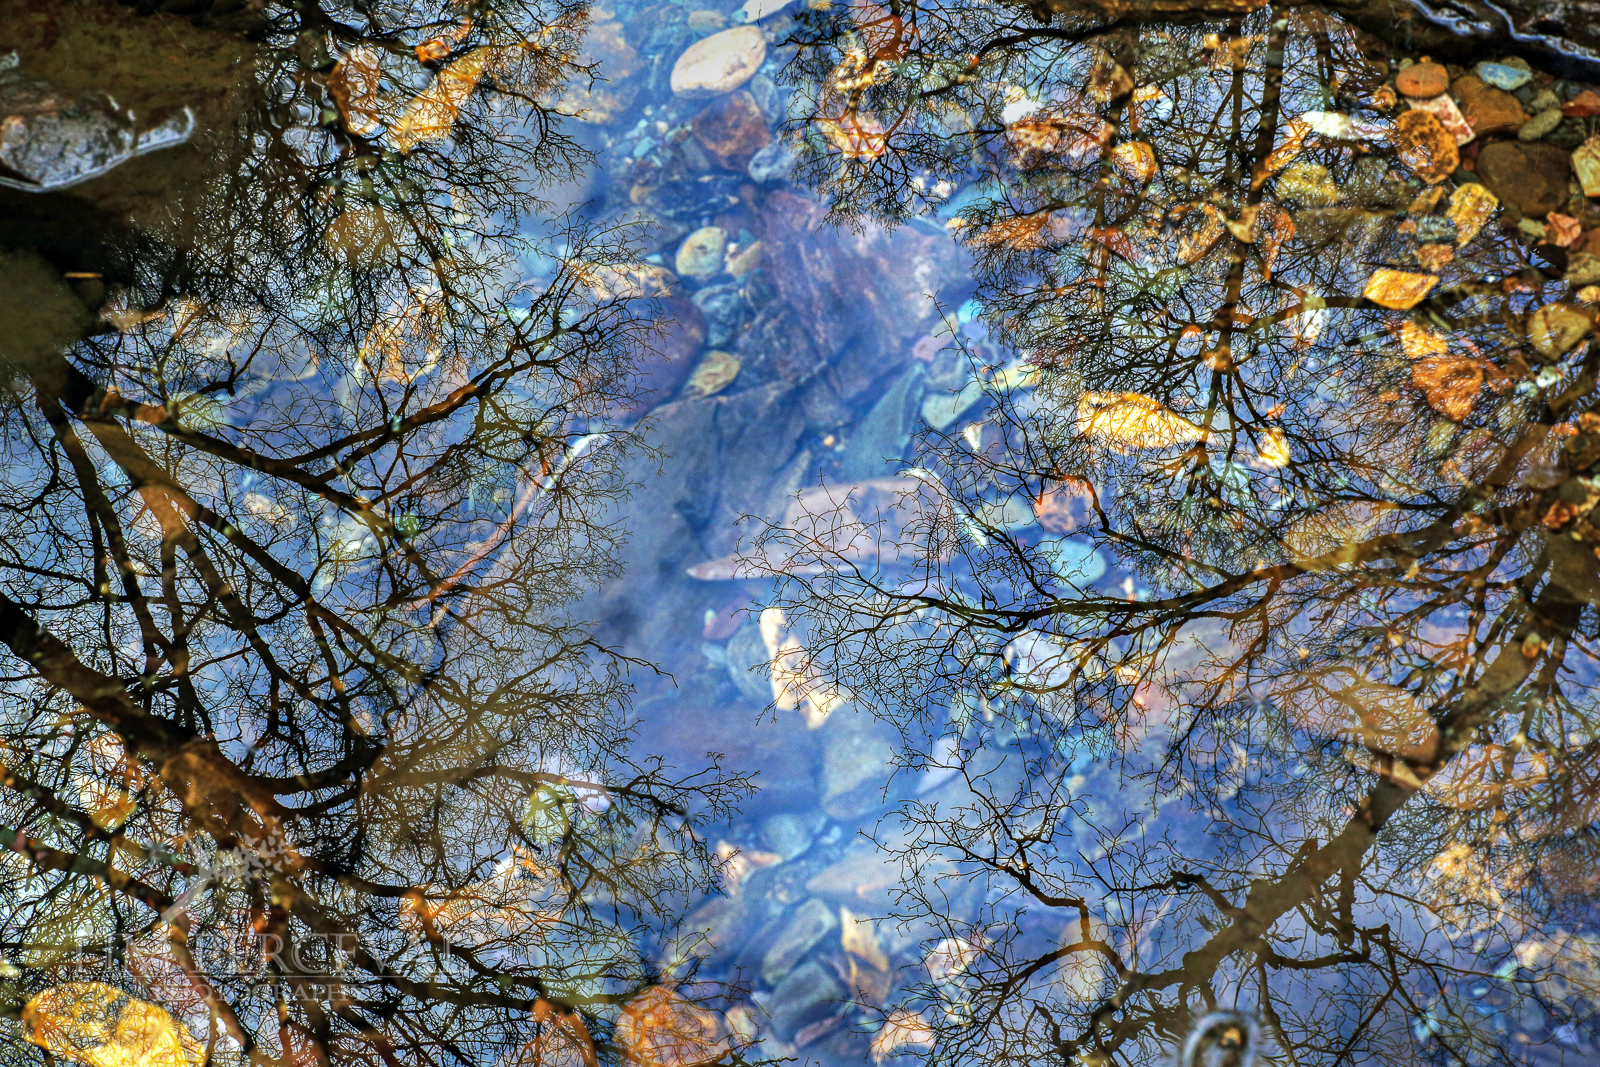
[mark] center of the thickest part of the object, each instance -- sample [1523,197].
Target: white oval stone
[719,63]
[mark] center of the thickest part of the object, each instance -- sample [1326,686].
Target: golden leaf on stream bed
[101,1026]
[353,84]
[1449,383]
[1129,421]
[1398,289]
[432,113]
[1471,205]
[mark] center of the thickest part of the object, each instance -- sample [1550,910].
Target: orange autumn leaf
[1450,384]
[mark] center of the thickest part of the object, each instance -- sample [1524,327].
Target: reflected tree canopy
[1270,343]
[303,474]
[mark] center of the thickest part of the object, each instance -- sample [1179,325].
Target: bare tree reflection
[301,744]
[1328,753]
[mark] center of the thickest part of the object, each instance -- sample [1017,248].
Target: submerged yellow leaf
[1274,448]
[1471,206]
[100,1025]
[1134,160]
[859,937]
[1450,383]
[353,84]
[1309,183]
[1294,139]
[1419,342]
[1556,329]
[432,113]
[1398,289]
[716,371]
[660,1028]
[901,1029]
[1128,421]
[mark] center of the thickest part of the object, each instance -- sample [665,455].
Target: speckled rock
[1542,123]
[720,63]
[773,163]
[1424,145]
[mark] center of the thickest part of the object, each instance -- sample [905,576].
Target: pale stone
[744,260]
[716,371]
[1586,165]
[700,255]
[706,21]
[1583,268]
[1556,329]
[719,63]
[811,922]
[756,10]
[1444,109]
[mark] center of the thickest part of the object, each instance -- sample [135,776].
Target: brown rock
[732,130]
[719,63]
[1425,146]
[1423,80]
[1488,109]
[1531,177]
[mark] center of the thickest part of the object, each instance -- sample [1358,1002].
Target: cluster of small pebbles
[1527,136]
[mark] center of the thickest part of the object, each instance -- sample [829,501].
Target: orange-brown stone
[1487,109]
[1423,80]
[732,130]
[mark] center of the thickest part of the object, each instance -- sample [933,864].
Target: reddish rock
[1583,105]
[1488,109]
[1423,80]
[1532,177]
[732,130]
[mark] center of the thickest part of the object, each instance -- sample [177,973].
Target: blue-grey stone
[773,162]
[1502,76]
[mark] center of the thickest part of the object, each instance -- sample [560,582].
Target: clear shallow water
[490,586]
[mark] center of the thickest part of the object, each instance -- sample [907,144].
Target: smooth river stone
[1532,177]
[1488,109]
[1423,80]
[1503,76]
[720,63]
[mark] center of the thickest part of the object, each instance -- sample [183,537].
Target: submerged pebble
[1503,75]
